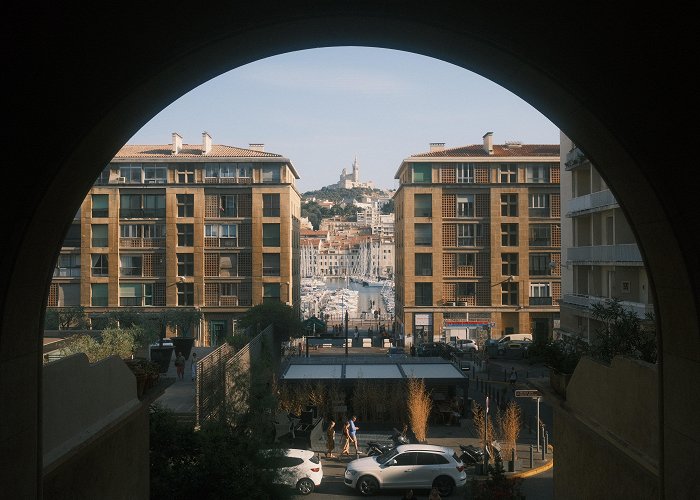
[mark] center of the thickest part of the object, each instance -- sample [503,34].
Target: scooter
[471,454]
[377,448]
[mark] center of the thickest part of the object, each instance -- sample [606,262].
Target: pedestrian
[408,495]
[434,494]
[357,332]
[330,439]
[413,350]
[180,365]
[346,438]
[194,366]
[513,376]
[353,434]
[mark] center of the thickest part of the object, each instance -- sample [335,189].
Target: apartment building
[206,226]
[602,260]
[478,241]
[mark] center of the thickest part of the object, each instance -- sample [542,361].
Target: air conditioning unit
[451,303]
[121,180]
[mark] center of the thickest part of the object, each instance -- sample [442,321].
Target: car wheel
[444,485]
[305,486]
[367,485]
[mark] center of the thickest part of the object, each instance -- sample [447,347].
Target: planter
[183,345]
[141,379]
[558,381]
[162,356]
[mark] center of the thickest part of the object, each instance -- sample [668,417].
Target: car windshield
[386,456]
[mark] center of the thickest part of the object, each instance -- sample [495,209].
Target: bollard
[532,456]
[546,441]
[543,457]
[505,375]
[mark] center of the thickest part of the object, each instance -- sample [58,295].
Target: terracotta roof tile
[499,151]
[190,151]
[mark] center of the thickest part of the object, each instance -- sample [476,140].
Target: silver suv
[408,466]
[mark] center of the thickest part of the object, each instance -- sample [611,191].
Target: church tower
[355,171]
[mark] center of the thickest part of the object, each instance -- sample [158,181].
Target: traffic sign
[527,393]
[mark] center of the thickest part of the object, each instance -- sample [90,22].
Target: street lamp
[346,334]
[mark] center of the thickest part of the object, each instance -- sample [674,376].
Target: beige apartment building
[478,241]
[206,226]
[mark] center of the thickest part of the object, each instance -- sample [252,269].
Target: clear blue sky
[320,108]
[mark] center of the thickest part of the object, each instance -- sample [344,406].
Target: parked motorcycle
[377,448]
[471,454]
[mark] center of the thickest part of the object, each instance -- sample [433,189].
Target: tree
[388,207]
[282,316]
[66,318]
[623,333]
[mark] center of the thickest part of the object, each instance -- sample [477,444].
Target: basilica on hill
[352,180]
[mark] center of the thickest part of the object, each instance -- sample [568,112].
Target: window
[509,205]
[430,459]
[271,292]
[226,233]
[509,294]
[538,205]
[271,264]
[100,205]
[539,264]
[137,205]
[465,290]
[508,173]
[148,295]
[185,174]
[73,238]
[68,266]
[130,294]
[185,264]
[539,290]
[270,174]
[537,173]
[98,294]
[271,235]
[130,265]
[423,234]
[99,235]
[422,173]
[467,234]
[185,205]
[423,205]
[509,235]
[509,264]
[540,235]
[424,264]
[155,174]
[99,264]
[131,172]
[465,173]
[185,294]
[466,259]
[424,294]
[271,205]
[103,178]
[185,235]
[465,205]
[228,205]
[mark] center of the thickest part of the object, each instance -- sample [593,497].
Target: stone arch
[93,78]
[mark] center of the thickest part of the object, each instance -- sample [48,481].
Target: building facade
[478,240]
[204,226]
[602,260]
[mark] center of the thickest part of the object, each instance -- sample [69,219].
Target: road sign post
[533,394]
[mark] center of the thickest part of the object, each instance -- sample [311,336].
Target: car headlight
[350,472]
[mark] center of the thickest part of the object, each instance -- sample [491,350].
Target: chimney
[177,143]
[257,147]
[206,143]
[488,142]
[437,146]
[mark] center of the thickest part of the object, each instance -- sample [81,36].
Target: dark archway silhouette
[81,81]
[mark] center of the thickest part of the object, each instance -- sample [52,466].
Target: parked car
[408,466]
[396,352]
[298,469]
[440,349]
[467,345]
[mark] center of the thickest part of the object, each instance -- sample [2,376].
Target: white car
[408,466]
[467,344]
[298,469]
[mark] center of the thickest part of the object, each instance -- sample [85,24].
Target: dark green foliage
[388,208]
[66,318]
[216,462]
[279,314]
[564,354]
[623,333]
[498,485]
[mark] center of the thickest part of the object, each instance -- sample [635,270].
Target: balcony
[574,158]
[590,202]
[605,254]
[586,301]
[540,301]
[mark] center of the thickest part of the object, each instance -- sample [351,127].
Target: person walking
[434,494]
[353,434]
[330,439]
[513,376]
[346,438]
[194,366]
[180,365]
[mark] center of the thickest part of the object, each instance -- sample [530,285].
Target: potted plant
[562,356]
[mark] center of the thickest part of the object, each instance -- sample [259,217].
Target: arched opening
[85,112]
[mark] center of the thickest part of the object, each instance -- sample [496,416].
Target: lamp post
[346,334]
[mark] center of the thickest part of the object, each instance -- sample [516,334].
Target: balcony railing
[540,301]
[586,301]
[574,158]
[591,201]
[602,254]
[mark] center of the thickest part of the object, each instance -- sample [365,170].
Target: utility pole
[346,334]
